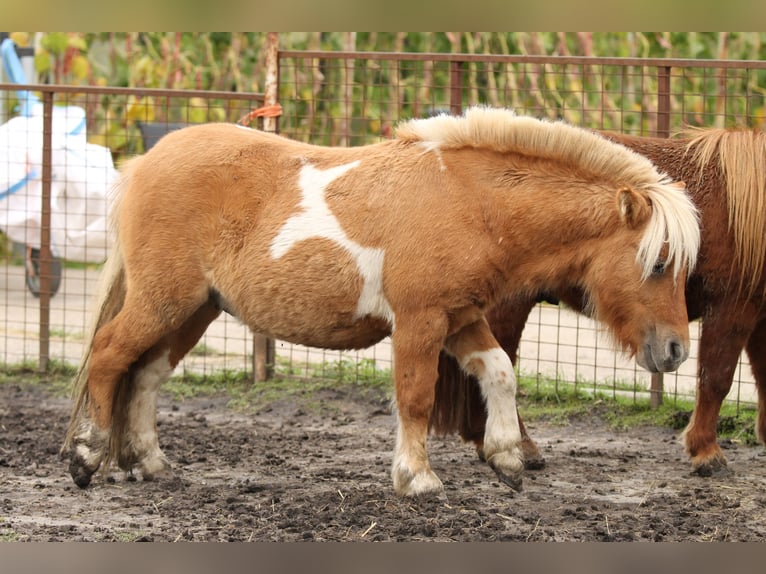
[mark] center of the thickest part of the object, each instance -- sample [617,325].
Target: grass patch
[342,371]
[303,383]
[559,403]
[58,377]
[203,350]
[64,334]
[188,385]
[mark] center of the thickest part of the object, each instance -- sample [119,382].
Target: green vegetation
[344,101]
[290,382]
[560,403]
[539,399]
[58,377]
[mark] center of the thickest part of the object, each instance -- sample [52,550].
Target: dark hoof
[80,473]
[713,470]
[534,463]
[513,481]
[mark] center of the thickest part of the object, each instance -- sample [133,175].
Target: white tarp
[82,175]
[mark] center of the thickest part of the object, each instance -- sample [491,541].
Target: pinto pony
[725,172]
[413,237]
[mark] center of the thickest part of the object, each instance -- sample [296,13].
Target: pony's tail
[109,299]
[459,406]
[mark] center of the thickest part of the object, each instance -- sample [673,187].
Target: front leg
[417,341]
[756,352]
[480,355]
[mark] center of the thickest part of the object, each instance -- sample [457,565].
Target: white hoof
[155,465]
[425,482]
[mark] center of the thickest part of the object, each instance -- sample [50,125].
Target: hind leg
[756,352]
[139,445]
[720,345]
[116,346]
[480,355]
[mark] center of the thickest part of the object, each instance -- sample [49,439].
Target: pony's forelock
[674,223]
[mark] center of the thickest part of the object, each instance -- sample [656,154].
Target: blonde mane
[742,161]
[674,220]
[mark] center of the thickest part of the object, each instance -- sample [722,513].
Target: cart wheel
[33,273]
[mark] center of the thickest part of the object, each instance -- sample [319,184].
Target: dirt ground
[317,469]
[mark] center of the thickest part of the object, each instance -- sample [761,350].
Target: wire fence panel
[50,324]
[334,98]
[356,98]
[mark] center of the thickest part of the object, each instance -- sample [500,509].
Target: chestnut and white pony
[413,237]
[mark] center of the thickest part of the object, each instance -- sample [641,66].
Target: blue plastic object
[14,71]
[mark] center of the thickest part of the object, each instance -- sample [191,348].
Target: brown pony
[725,171]
[339,247]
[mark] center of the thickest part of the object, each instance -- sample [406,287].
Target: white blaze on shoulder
[315,220]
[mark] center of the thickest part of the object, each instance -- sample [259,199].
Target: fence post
[455,88]
[663,102]
[264,348]
[45,233]
[663,130]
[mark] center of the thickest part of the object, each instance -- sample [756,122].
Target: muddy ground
[317,468]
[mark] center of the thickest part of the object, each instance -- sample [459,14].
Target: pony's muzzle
[660,355]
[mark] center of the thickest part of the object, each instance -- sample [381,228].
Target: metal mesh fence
[357,98]
[349,99]
[45,306]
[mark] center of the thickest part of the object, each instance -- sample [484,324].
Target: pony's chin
[649,365]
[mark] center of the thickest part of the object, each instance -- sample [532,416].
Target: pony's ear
[635,209]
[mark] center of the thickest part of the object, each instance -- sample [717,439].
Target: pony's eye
[659,267]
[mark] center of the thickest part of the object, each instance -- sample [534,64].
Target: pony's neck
[544,229]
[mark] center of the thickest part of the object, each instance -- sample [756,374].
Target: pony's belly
[314,296]
[359,335]
[316,325]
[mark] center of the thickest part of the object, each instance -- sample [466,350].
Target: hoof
[425,483]
[533,458]
[80,472]
[537,463]
[155,468]
[509,469]
[712,466]
[712,470]
[87,452]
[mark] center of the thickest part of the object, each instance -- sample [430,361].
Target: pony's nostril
[675,351]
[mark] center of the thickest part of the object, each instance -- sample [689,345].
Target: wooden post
[45,234]
[663,130]
[455,88]
[271,87]
[264,348]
